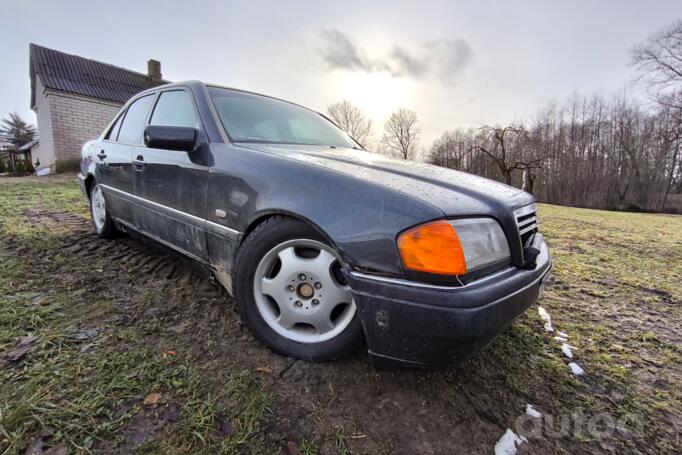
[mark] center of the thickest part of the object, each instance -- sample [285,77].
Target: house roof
[73,74]
[28,146]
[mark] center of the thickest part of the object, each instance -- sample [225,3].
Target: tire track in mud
[39,217]
[147,260]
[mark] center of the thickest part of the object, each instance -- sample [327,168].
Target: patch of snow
[561,339]
[545,317]
[562,335]
[575,369]
[566,349]
[531,411]
[508,442]
[544,314]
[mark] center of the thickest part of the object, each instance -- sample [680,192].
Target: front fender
[360,218]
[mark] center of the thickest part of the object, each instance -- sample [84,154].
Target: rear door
[114,159]
[172,184]
[113,164]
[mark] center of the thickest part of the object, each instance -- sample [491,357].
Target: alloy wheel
[98,208]
[300,292]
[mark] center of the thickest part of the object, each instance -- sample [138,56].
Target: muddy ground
[119,347]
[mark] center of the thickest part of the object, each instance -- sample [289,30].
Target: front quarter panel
[360,218]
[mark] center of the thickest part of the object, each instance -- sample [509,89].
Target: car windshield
[255,118]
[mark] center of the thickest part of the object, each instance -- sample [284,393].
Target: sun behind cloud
[377,93]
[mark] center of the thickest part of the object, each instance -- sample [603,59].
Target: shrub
[19,168]
[29,167]
[3,167]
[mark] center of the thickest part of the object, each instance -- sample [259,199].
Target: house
[25,152]
[75,98]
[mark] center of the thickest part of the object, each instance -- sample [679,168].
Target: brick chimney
[154,70]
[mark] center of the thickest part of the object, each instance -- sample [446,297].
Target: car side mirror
[179,138]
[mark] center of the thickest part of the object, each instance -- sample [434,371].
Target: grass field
[117,347]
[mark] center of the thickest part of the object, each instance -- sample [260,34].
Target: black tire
[107,229]
[266,236]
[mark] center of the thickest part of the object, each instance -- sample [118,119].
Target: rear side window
[133,124]
[113,132]
[174,108]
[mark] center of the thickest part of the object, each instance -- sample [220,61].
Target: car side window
[133,124]
[113,131]
[174,108]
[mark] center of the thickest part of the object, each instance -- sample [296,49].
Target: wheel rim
[99,209]
[299,294]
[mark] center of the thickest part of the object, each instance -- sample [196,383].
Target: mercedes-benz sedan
[324,246]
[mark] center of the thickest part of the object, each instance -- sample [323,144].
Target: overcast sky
[456,63]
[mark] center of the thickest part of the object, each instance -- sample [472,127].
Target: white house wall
[65,123]
[45,154]
[75,120]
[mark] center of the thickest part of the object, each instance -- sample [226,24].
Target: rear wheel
[99,213]
[291,293]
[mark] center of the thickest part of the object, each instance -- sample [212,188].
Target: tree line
[599,152]
[608,152]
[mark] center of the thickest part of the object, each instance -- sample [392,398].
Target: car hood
[453,192]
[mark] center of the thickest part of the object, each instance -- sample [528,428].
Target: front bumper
[410,324]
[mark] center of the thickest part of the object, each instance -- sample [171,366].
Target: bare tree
[352,120]
[659,61]
[401,133]
[503,147]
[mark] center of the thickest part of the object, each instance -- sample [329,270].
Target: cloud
[452,57]
[443,58]
[406,63]
[341,53]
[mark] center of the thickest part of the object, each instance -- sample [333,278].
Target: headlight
[453,247]
[483,241]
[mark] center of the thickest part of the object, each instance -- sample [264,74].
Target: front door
[172,184]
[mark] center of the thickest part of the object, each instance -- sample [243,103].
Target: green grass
[618,296]
[598,248]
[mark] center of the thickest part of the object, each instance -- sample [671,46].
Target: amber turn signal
[432,248]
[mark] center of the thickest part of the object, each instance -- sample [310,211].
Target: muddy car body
[324,245]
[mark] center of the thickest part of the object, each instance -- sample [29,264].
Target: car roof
[199,84]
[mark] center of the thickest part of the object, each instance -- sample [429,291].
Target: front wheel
[291,293]
[99,213]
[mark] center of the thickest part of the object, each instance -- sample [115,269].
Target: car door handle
[101,155]
[139,162]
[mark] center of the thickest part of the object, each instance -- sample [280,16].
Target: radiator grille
[527,223]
